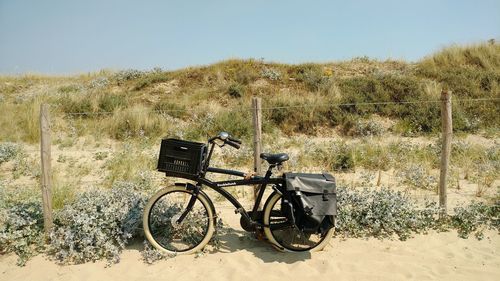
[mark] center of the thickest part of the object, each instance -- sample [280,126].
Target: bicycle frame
[218,186]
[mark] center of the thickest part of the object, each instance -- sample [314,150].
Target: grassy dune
[106,125]
[106,128]
[199,101]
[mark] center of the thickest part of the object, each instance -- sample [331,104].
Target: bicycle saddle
[274,158]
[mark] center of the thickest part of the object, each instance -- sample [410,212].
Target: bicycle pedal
[260,235]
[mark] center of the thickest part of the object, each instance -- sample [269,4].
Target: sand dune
[437,256]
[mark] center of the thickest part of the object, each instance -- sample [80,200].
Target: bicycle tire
[150,211]
[271,236]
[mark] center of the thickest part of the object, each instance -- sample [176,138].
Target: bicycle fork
[192,200]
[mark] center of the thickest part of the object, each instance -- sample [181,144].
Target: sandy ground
[437,256]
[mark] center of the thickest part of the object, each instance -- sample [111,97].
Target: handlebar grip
[233,144]
[234,140]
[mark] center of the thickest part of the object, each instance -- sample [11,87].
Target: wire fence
[270,108]
[155,181]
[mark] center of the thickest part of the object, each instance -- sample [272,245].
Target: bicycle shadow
[232,240]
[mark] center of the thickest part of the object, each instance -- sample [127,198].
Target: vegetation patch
[21,229]
[97,225]
[386,213]
[8,151]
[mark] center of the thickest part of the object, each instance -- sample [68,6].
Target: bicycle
[181,219]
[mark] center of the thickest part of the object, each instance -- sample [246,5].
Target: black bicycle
[181,218]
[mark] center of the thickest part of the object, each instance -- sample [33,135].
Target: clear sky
[67,37]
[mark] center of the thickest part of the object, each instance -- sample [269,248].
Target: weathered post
[46,168]
[257,138]
[447,132]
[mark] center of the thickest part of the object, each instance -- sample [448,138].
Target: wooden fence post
[46,168]
[447,132]
[257,138]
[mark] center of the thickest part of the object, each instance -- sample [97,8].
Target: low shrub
[236,90]
[25,166]
[151,255]
[387,213]
[389,88]
[21,230]
[382,214]
[343,159]
[97,225]
[80,105]
[8,151]
[109,102]
[237,123]
[362,128]
[475,218]
[127,75]
[271,74]
[312,75]
[301,114]
[99,82]
[416,176]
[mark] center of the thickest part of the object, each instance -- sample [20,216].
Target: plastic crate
[183,159]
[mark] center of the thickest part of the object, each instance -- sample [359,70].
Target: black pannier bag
[183,159]
[310,201]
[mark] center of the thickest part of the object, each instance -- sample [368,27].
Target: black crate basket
[183,159]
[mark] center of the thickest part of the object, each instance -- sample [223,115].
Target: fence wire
[293,106]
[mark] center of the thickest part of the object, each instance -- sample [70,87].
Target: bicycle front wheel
[167,235]
[287,238]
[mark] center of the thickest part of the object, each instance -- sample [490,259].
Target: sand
[436,256]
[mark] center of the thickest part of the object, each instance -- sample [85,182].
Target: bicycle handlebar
[234,140]
[223,136]
[232,143]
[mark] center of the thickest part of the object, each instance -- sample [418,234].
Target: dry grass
[20,122]
[484,56]
[470,71]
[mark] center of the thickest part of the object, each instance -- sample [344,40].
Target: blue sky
[68,37]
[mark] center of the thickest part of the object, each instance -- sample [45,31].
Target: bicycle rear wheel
[290,238]
[161,227]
